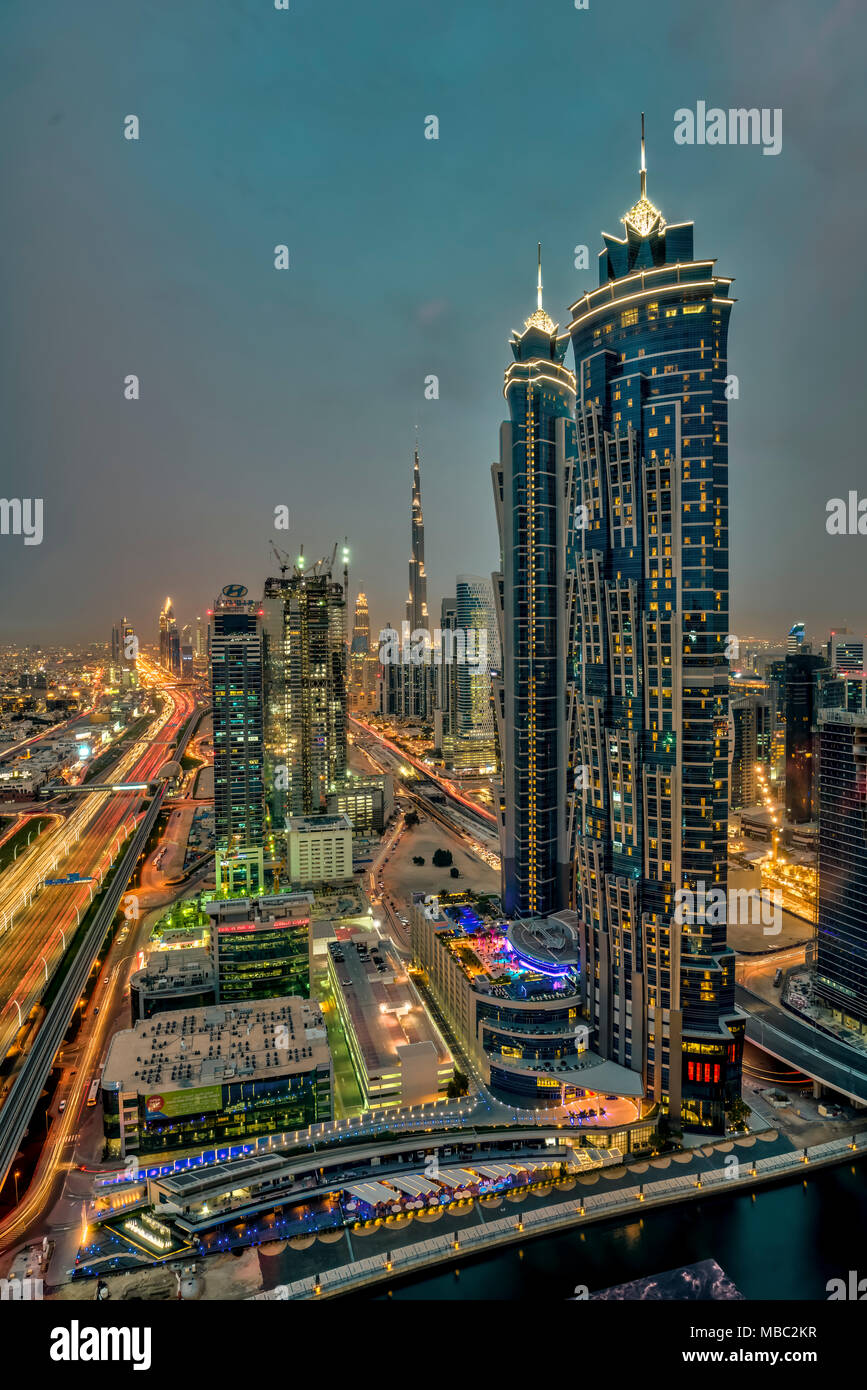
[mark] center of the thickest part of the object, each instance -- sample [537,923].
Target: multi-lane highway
[37,922]
[31,1076]
[26,1089]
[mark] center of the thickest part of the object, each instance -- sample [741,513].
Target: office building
[176,979]
[363,688]
[170,641]
[845,653]
[650,681]
[475,656]
[318,849]
[366,799]
[260,947]
[750,745]
[218,1075]
[397,1053]
[804,670]
[446,688]
[237,698]
[840,978]
[533,490]
[305,690]
[797,638]
[360,645]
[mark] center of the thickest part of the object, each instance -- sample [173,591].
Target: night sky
[408,257]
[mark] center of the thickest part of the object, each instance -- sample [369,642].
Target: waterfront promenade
[727,1168]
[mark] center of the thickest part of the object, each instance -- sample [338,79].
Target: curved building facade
[651,681]
[533,484]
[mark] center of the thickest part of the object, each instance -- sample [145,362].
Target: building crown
[539,317]
[643,217]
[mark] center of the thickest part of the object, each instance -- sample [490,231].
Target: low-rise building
[512,993]
[198,1077]
[260,947]
[397,1053]
[368,801]
[172,980]
[319,849]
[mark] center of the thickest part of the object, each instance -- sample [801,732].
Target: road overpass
[817,1054]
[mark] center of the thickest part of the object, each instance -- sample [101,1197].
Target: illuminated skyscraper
[236,692]
[170,641]
[804,671]
[533,484]
[406,688]
[477,661]
[361,626]
[305,690]
[796,638]
[650,687]
[416,604]
[446,711]
[363,663]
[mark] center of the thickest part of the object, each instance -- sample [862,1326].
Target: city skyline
[492,924]
[157,478]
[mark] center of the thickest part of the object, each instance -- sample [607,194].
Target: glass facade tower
[651,679]
[236,693]
[533,484]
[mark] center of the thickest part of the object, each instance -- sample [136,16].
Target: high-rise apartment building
[305,691]
[237,697]
[648,693]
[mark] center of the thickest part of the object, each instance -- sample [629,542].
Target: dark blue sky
[408,257]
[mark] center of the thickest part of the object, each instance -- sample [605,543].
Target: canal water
[786,1242]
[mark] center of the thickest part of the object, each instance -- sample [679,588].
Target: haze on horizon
[408,257]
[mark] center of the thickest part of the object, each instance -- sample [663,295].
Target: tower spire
[643,161]
[539,318]
[644,218]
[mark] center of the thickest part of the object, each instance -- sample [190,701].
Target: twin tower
[611,493]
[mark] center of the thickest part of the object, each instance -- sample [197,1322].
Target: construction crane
[282,559]
[319,568]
